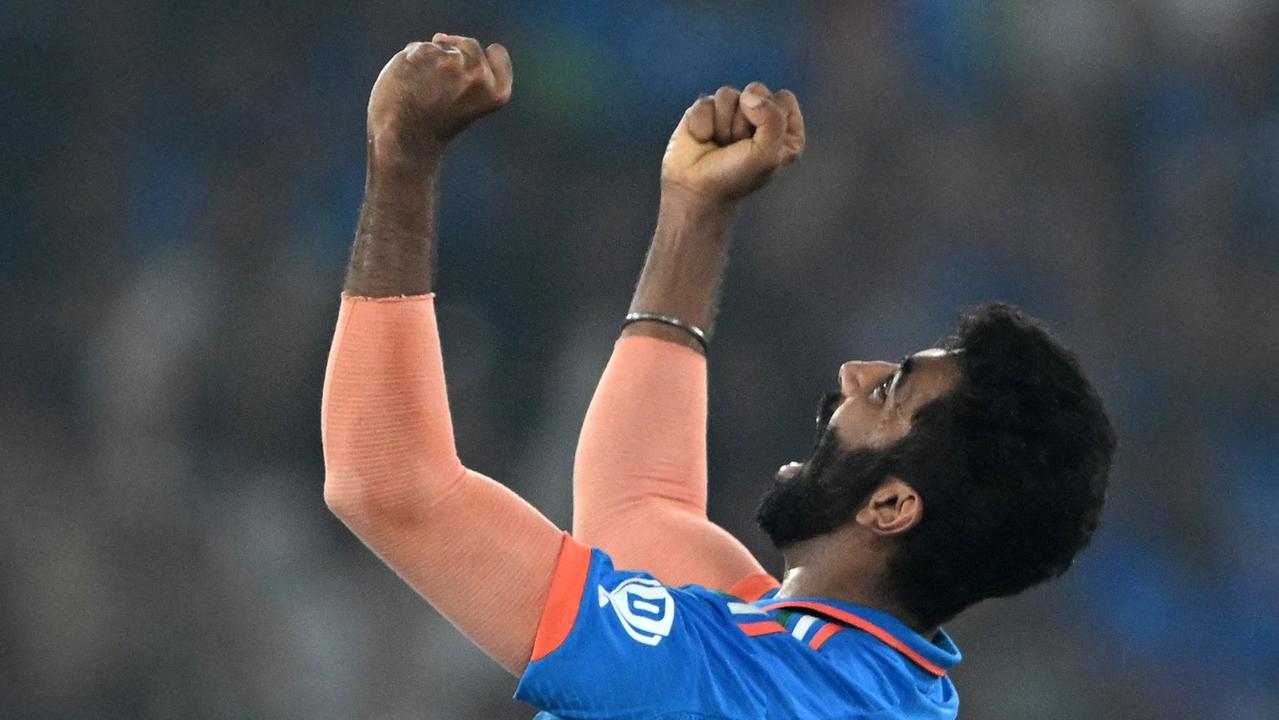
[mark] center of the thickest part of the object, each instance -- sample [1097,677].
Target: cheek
[861,426]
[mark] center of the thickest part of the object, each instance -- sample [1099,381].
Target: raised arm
[475,550]
[639,484]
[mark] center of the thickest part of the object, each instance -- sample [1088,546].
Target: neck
[843,566]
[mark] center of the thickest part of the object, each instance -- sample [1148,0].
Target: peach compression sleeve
[639,480]
[478,552]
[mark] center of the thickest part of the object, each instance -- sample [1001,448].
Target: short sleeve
[615,644]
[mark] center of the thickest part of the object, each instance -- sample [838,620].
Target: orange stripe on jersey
[852,620]
[564,597]
[763,627]
[820,638]
[753,587]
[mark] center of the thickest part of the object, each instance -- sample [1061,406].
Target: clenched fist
[429,92]
[728,145]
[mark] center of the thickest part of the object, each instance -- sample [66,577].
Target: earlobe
[893,508]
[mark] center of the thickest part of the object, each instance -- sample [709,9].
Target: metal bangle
[684,325]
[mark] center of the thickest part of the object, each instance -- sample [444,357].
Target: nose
[857,374]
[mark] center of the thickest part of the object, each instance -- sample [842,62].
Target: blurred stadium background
[180,187]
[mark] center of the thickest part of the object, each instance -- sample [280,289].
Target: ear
[892,509]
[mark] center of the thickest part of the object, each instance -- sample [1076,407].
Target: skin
[725,147]
[425,95]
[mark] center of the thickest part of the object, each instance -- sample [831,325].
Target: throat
[832,567]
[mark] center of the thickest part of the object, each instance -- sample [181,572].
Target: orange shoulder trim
[564,598]
[753,587]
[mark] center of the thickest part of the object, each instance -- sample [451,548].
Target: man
[971,470]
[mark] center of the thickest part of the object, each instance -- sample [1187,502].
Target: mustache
[829,403]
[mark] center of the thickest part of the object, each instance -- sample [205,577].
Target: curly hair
[1012,466]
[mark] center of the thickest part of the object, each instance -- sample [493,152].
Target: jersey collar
[936,657]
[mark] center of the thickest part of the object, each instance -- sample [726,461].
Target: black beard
[825,492]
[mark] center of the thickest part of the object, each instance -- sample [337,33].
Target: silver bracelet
[684,325]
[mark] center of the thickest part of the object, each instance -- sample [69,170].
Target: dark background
[181,181]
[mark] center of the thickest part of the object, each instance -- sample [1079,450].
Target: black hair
[1012,467]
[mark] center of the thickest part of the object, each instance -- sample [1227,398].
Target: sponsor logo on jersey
[644,607]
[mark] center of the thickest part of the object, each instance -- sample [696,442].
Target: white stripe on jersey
[741,608]
[802,625]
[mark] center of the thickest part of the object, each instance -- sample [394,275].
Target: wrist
[391,165]
[663,331]
[685,264]
[688,206]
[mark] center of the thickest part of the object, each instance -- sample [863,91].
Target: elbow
[361,502]
[340,500]
[366,502]
[368,483]
[368,515]
[352,505]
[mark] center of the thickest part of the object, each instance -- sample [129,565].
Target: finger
[471,48]
[699,120]
[769,121]
[416,48]
[468,46]
[741,126]
[794,139]
[503,73]
[440,43]
[725,109]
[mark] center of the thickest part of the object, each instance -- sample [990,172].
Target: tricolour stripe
[861,624]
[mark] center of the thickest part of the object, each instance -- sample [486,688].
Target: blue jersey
[619,644]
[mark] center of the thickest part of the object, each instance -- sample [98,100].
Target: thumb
[769,121]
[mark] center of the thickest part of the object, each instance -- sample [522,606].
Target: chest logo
[644,607]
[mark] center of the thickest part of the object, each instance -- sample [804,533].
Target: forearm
[396,237]
[683,272]
[644,437]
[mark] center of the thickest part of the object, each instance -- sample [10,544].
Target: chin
[818,496]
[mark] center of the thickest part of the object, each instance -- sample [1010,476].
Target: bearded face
[817,496]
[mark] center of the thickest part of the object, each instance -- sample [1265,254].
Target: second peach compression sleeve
[639,481]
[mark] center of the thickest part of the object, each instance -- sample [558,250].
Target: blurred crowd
[181,181]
